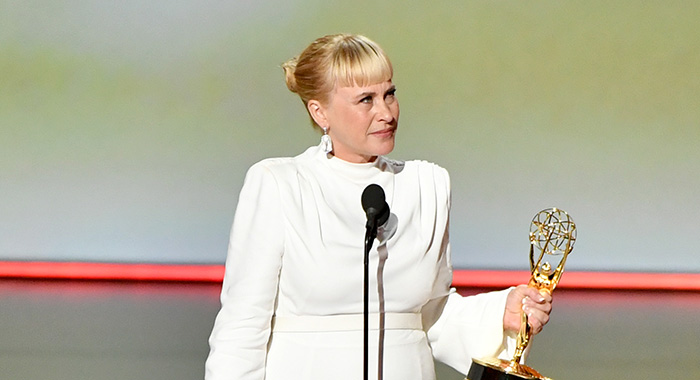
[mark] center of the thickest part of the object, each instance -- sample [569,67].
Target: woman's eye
[366,99]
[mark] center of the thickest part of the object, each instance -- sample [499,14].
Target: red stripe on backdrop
[462,278]
[583,280]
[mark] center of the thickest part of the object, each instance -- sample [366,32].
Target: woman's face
[361,121]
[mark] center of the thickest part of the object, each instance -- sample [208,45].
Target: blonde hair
[336,60]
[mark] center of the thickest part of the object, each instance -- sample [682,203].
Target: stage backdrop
[127,127]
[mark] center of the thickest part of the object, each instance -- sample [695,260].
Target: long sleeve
[461,328]
[468,327]
[241,331]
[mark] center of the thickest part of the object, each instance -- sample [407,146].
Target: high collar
[357,171]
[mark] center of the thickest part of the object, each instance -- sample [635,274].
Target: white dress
[296,253]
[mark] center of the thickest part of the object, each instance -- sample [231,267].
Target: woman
[292,296]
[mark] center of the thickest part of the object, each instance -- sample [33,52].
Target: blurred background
[126,128]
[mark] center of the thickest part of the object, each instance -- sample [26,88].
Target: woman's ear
[318,113]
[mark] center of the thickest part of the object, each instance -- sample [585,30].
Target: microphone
[375,206]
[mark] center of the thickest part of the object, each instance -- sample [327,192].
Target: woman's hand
[537,305]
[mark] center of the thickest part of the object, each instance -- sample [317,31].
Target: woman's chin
[385,148]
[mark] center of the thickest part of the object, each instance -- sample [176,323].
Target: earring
[326,143]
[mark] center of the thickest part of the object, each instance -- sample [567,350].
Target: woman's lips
[384,133]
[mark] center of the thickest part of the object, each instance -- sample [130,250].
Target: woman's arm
[239,339]
[461,328]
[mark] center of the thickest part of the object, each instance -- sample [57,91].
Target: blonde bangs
[360,63]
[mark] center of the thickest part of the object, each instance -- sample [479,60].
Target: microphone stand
[370,235]
[377,211]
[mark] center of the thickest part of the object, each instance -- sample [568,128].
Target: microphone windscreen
[374,204]
[373,198]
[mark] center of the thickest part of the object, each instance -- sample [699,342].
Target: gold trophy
[552,233]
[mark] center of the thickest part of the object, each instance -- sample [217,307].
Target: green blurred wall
[126,128]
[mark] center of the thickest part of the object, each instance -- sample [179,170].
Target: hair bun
[289,68]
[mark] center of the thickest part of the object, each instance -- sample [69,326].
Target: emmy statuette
[552,236]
